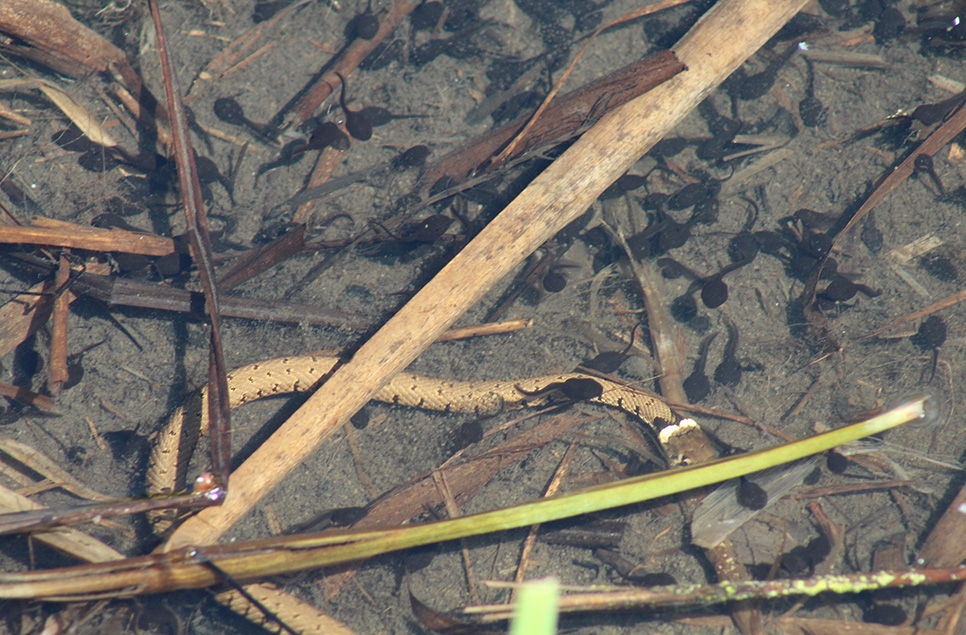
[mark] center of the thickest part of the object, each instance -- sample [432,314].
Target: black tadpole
[427,230]
[609,361]
[696,385]
[355,122]
[728,372]
[574,389]
[228,109]
[364,26]
[810,109]
[931,333]
[931,336]
[841,289]
[871,236]
[325,135]
[755,86]
[751,495]
[714,291]
[923,164]
[414,157]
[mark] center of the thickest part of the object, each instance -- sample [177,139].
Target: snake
[172,449]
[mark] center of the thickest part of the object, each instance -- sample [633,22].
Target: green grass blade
[321,550]
[536,610]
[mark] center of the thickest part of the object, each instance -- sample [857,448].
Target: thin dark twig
[270,616]
[218,408]
[50,518]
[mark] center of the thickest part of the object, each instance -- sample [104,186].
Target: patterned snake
[172,449]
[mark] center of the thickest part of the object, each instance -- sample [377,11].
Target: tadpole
[743,247]
[426,16]
[684,308]
[360,420]
[841,289]
[554,281]
[581,389]
[412,158]
[609,361]
[728,372]
[923,163]
[723,131]
[266,9]
[574,389]
[290,154]
[363,26]
[871,236]
[714,291]
[885,614]
[692,193]
[810,109]
[624,184]
[228,109]
[796,562]
[836,462]
[357,125]
[469,433]
[427,230]
[931,336]
[696,385]
[818,549]
[751,495]
[325,135]
[889,25]
[75,365]
[342,517]
[662,235]
[939,266]
[208,173]
[751,87]
[631,570]
[379,116]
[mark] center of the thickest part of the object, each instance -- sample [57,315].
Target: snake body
[168,461]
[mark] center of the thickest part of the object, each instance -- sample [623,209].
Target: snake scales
[168,461]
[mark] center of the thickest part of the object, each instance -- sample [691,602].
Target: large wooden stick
[712,50]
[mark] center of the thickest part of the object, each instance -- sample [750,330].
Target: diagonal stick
[218,409]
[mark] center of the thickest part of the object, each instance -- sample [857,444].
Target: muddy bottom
[138,365]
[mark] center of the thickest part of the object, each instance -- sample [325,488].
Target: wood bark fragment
[23,315]
[60,234]
[944,546]
[27,397]
[44,31]
[57,373]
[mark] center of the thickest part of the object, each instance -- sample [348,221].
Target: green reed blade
[244,561]
[305,552]
[536,611]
